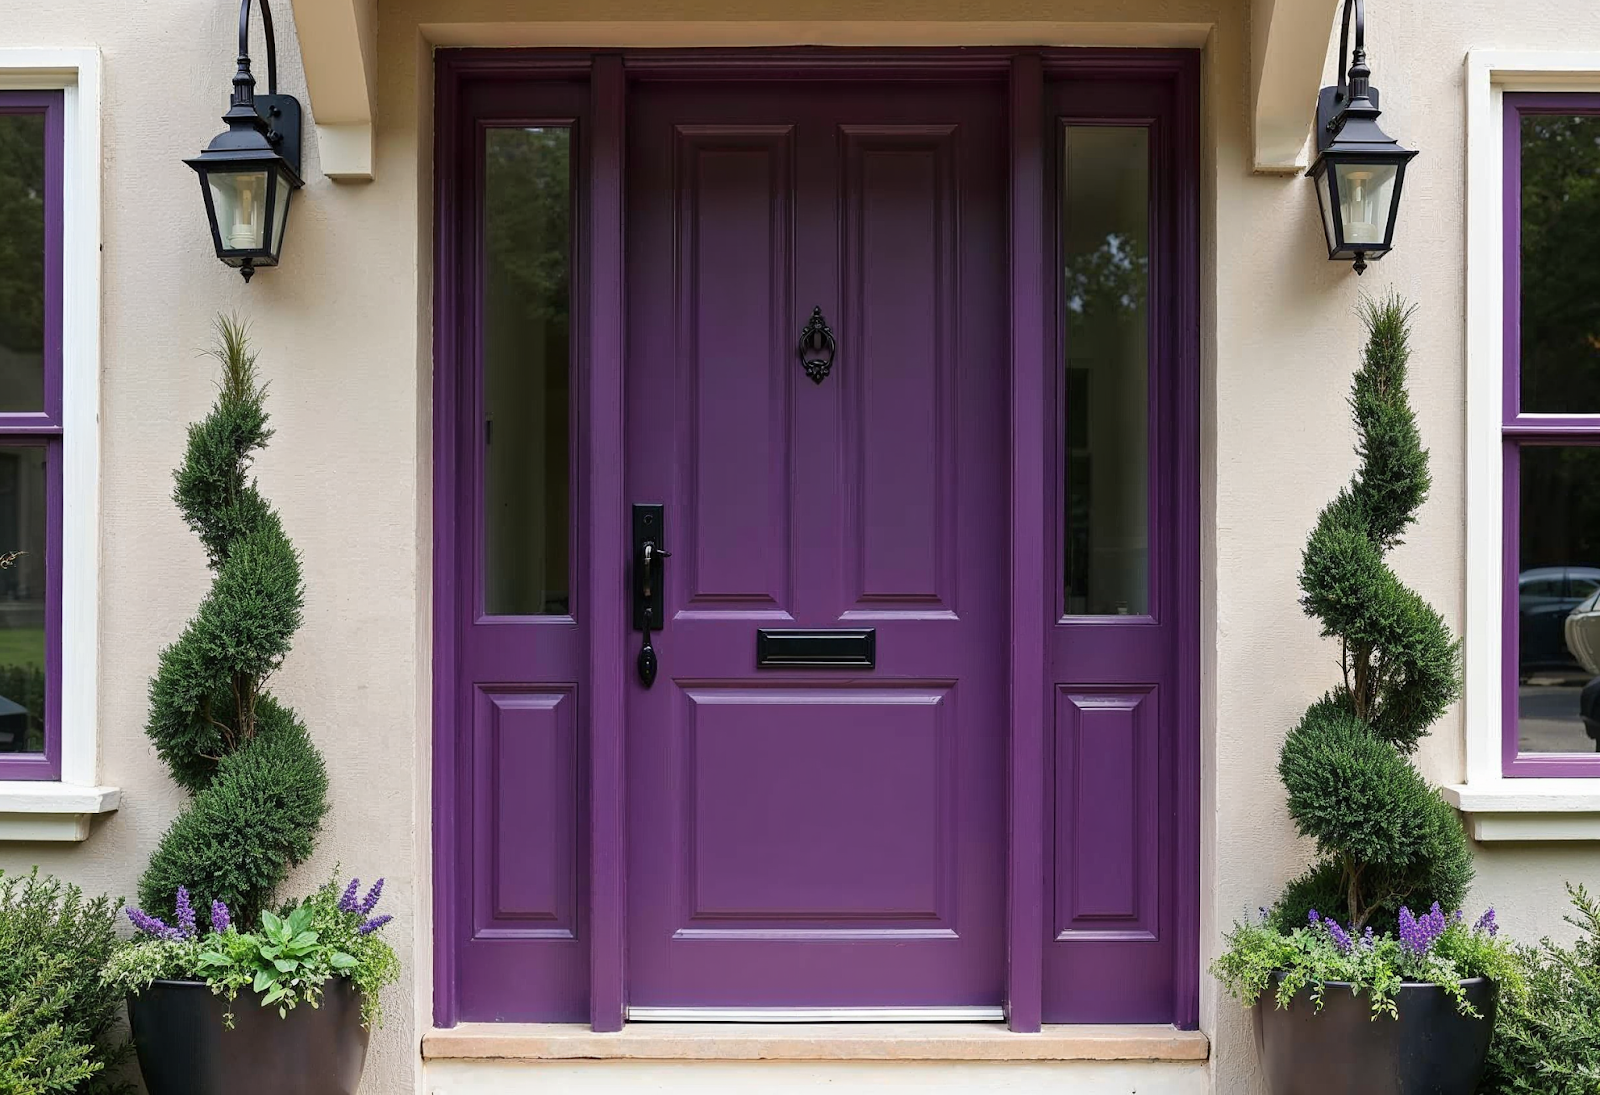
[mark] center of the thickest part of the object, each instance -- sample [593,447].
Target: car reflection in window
[1558,664]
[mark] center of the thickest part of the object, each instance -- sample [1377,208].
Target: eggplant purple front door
[816,536]
[819,836]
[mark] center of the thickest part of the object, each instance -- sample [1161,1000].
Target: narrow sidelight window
[526,343]
[30,434]
[1551,435]
[1105,233]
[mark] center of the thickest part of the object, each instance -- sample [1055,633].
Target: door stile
[1028,617]
[1186,312]
[603,509]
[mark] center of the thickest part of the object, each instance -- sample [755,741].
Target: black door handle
[649,596]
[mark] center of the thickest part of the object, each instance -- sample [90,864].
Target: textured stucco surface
[343,328]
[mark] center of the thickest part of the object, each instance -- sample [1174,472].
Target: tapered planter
[184,1048]
[1431,1049]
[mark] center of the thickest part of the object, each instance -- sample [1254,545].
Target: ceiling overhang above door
[1288,51]
[338,46]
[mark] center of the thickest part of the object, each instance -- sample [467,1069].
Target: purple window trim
[43,429]
[1519,429]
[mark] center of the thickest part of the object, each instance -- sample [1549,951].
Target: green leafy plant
[288,961]
[1386,839]
[56,1014]
[259,785]
[1385,835]
[1547,1040]
[1261,959]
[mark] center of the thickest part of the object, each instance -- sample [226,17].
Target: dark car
[1545,597]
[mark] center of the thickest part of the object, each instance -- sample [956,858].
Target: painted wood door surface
[819,837]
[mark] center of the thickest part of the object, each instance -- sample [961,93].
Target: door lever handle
[649,604]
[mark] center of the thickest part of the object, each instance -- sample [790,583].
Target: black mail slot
[856,647]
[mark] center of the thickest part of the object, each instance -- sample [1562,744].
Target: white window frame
[62,810]
[1525,808]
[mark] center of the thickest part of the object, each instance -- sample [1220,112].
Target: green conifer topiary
[259,785]
[1385,836]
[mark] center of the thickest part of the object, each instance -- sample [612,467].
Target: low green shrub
[287,961]
[1547,1042]
[56,1014]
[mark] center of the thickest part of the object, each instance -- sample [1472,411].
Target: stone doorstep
[814,1042]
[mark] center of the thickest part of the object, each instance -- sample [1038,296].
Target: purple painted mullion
[1186,508]
[1511,215]
[1025,881]
[446,588]
[602,515]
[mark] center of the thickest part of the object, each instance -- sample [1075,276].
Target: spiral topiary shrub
[1385,837]
[259,786]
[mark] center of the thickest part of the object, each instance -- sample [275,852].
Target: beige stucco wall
[343,329]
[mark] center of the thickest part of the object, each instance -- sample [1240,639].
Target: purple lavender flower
[220,918]
[1418,934]
[153,926]
[348,903]
[1486,923]
[186,925]
[374,924]
[1368,939]
[1313,916]
[1340,937]
[370,902]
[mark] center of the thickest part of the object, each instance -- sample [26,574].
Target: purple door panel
[816,837]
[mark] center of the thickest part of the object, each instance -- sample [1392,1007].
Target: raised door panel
[733,248]
[788,820]
[526,785]
[900,332]
[1107,774]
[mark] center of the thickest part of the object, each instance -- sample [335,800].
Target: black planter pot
[1431,1049]
[184,1048]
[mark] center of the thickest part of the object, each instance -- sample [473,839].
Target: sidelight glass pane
[1558,599]
[22,599]
[22,210]
[527,371]
[1560,335]
[1105,263]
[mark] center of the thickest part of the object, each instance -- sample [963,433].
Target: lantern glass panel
[282,188]
[1325,201]
[1366,194]
[239,199]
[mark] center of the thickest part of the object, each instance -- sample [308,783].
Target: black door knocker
[817,347]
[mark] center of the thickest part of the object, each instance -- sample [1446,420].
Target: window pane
[21,262]
[527,371]
[22,599]
[1105,255]
[1560,263]
[1558,623]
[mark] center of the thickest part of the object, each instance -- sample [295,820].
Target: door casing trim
[599,476]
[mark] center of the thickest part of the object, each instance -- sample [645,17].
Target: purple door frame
[595,945]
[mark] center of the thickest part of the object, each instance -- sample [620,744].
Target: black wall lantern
[1359,168]
[248,173]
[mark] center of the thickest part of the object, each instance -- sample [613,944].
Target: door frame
[600,505]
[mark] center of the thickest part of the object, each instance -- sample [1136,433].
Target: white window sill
[51,811]
[1529,809]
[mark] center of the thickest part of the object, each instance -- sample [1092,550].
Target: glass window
[1105,265]
[23,651]
[30,432]
[527,371]
[1559,338]
[1553,465]
[22,282]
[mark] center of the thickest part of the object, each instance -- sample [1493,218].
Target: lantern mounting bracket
[279,115]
